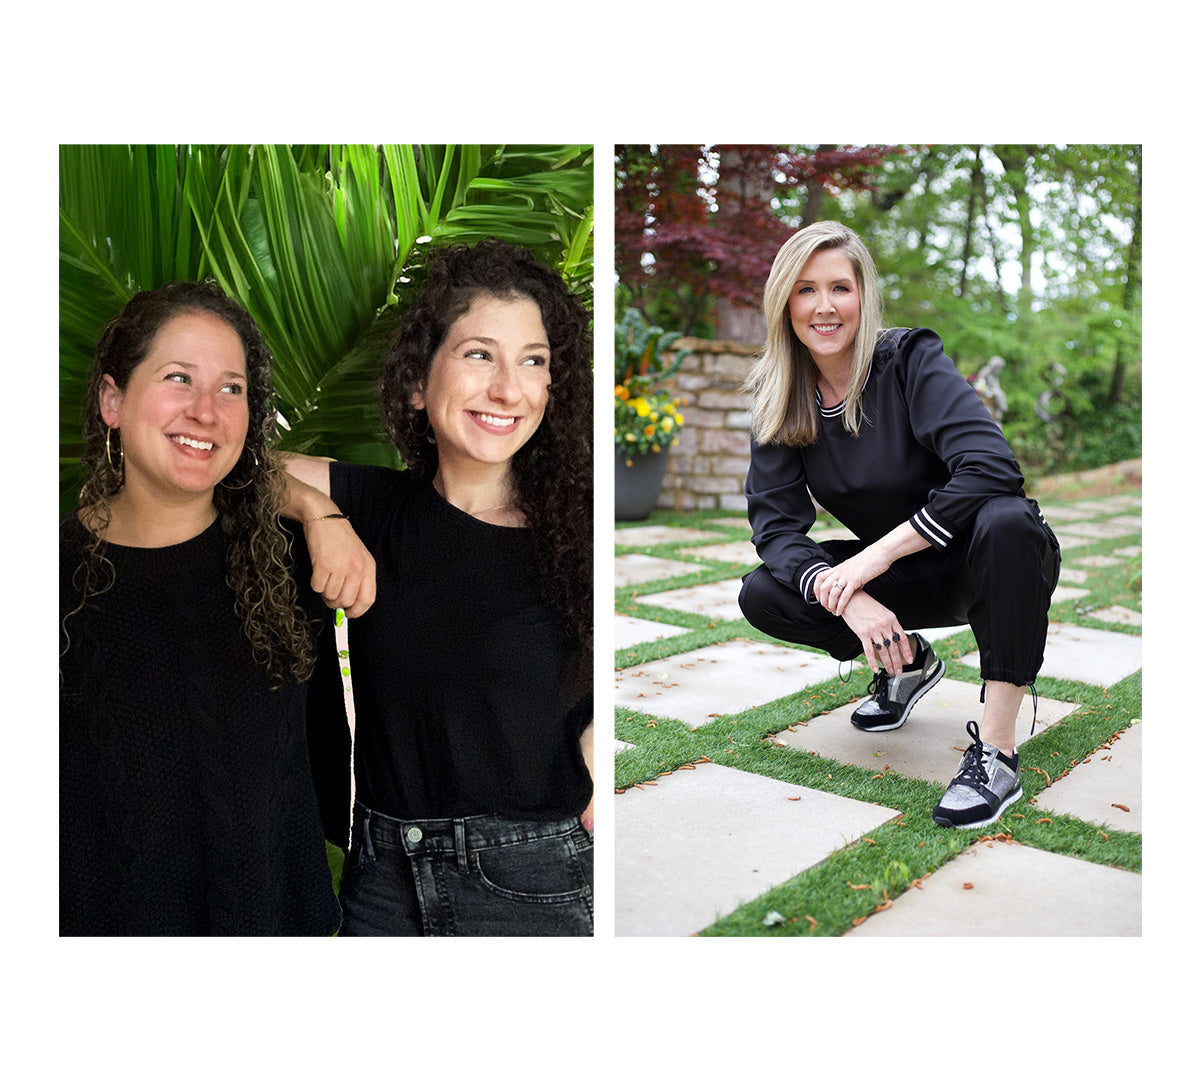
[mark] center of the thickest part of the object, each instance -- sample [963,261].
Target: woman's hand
[882,636]
[343,568]
[836,586]
[587,817]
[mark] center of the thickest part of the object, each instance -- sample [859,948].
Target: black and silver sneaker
[893,697]
[984,786]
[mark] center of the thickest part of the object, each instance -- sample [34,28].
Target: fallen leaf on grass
[812,922]
[857,888]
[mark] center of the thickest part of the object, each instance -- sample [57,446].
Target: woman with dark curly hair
[187,804]
[472,670]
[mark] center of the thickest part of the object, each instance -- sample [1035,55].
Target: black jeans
[467,877]
[998,578]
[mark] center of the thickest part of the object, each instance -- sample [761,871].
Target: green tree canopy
[1027,252]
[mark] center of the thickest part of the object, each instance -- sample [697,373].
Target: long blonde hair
[783,380]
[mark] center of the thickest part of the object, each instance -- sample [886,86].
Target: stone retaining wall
[707,468]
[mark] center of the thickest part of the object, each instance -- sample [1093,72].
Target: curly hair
[248,500]
[552,472]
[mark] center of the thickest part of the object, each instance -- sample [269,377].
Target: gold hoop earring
[425,433]
[108,452]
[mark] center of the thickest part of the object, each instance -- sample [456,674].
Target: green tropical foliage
[321,243]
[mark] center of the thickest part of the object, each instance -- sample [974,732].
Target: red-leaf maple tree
[694,224]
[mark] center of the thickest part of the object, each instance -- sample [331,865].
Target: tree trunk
[1131,297]
[973,202]
[1014,159]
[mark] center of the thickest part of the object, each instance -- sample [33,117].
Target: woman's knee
[755,595]
[1009,523]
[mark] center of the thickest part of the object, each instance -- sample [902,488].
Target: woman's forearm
[307,487]
[899,542]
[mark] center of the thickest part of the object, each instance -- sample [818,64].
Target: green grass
[847,886]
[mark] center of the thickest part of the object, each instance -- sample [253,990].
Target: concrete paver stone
[928,746]
[1107,528]
[1095,656]
[1014,891]
[1056,513]
[628,631]
[1117,615]
[641,568]
[1097,789]
[1102,506]
[698,843]
[1071,541]
[736,524]
[1096,560]
[722,679]
[656,536]
[740,553]
[717,601]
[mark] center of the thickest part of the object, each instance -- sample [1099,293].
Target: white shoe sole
[1012,796]
[930,682]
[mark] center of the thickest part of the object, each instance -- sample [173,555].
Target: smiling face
[183,414]
[489,382]
[824,307]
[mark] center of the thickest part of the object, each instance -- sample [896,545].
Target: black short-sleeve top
[464,701]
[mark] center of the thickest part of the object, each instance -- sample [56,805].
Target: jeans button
[414,835]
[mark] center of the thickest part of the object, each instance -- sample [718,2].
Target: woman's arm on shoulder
[343,568]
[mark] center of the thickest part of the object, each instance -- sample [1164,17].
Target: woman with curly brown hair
[472,670]
[187,804]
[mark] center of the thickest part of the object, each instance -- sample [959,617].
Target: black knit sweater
[186,801]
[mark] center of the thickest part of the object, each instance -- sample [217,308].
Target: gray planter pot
[638,486]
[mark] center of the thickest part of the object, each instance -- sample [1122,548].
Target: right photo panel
[878,580]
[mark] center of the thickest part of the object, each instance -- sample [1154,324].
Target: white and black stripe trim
[930,529]
[807,592]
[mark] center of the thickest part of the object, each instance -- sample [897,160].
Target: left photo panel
[326,540]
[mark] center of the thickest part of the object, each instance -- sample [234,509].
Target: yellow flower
[668,424]
[630,437]
[641,406]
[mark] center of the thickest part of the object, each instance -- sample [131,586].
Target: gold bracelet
[317,519]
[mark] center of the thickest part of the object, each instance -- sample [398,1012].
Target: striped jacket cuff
[931,529]
[807,576]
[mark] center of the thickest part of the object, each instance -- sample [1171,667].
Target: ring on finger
[877,647]
[895,637]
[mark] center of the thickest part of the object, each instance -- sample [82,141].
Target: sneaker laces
[971,770]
